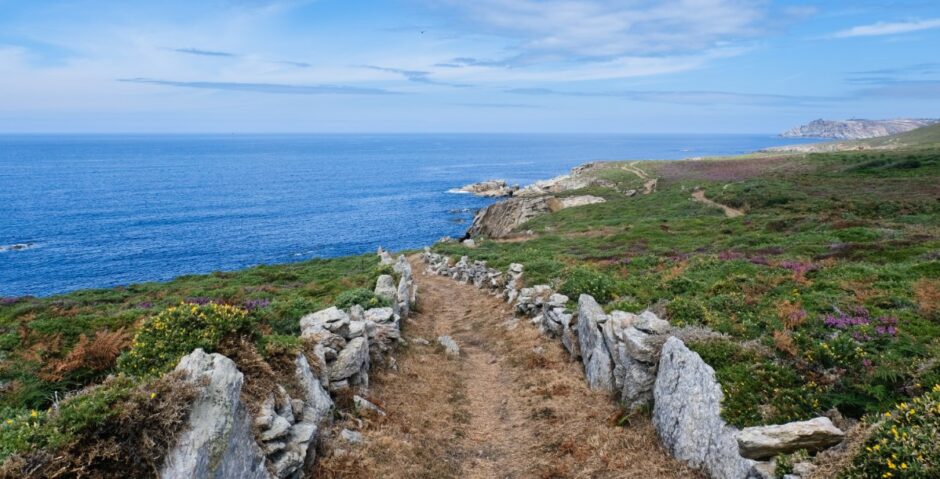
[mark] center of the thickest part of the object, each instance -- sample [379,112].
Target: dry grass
[512,405]
[928,296]
[97,354]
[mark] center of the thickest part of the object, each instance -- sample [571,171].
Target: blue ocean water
[100,211]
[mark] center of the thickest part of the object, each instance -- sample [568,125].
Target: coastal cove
[100,211]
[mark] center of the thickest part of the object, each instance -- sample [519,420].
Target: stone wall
[641,360]
[219,440]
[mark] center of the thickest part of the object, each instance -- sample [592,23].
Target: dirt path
[512,405]
[699,195]
[649,183]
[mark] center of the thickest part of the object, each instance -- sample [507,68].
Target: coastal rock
[558,204]
[488,189]
[500,219]
[687,414]
[217,441]
[598,367]
[764,442]
[855,129]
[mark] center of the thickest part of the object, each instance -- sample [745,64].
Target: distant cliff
[855,129]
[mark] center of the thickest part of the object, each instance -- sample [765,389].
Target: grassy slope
[37,334]
[824,234]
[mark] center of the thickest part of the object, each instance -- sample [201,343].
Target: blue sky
[638,66]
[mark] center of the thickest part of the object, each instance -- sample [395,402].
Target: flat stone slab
[764,442]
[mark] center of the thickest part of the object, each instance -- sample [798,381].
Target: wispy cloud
[603,29]
[685,97]
[888,28]
[204,53]
[901,89]
[294,64]
[275,88]
[417,76]
[498,105]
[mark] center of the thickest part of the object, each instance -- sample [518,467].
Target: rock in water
[764,442]
[598,366]
[687,414]
[217,441]
[488,189]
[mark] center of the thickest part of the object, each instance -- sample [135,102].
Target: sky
[499,66]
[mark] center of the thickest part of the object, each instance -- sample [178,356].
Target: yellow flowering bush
[906,444]
[176,331]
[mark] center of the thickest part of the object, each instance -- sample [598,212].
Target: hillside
[855,129]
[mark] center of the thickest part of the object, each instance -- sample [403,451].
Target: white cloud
[598,29]
[886,28]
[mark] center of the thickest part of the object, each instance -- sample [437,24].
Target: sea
[94,211]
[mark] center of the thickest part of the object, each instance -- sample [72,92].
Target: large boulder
[558,204]
[687,414]
[217,441]
[764,442]
[598,366]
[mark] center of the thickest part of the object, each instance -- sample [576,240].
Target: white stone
[764,442]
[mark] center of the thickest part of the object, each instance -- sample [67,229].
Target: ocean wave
[458,191]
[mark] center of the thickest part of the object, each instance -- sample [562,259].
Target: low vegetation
[56,405]
[827,290]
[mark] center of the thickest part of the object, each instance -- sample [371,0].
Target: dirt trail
[699,195]
[649,183]
[512,405]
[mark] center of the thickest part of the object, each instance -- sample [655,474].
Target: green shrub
[588,281]
[175,332]
[284,314]
[361,296]
[905,444]
[276,344]
[23,430]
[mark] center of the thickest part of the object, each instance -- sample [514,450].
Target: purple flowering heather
[145,305]
[200,300]
[253,304]
[7,301]
[798,267]
[859,316]
[729,255]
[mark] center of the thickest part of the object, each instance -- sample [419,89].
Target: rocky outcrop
[500,219]
[488,189]
[558,204]
[687,414]
[855,129]
[579,177]
[765,442]
[217,441]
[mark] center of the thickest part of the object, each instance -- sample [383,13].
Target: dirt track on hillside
[511,405]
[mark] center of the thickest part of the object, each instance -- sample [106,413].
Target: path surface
[512,405]
[649,183]
[699,195]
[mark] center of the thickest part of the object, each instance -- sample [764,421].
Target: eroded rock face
[558,204]
[500,219]
[217,442]
[598,367]
[687,414]
[764,442]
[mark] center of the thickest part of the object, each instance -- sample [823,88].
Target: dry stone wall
[220,439]
[641,360]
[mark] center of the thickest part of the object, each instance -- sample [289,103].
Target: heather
[825,291]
